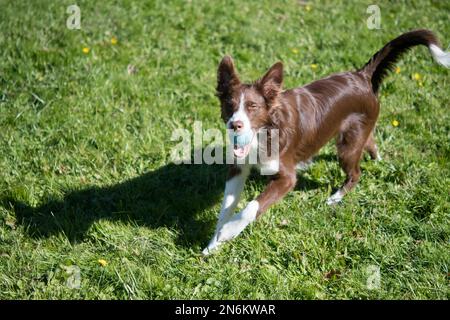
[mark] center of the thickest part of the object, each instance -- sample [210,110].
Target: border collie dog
[343,105]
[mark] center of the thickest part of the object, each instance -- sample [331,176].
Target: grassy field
[92,208]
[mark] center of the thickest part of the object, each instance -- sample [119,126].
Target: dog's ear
[270,84]
[227,78]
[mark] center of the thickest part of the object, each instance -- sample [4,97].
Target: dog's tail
[383,61]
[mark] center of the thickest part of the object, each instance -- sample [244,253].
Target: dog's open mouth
[242,144]
[241,152]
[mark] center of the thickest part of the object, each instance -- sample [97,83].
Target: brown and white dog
[343,105]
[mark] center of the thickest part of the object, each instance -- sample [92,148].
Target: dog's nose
[237,125]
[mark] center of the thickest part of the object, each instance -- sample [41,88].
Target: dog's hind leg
[350,144]
[234,186]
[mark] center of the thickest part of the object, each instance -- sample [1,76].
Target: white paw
[227,232]
[234,227]
[212,246]
[231,229]
[335,198]
[210,249]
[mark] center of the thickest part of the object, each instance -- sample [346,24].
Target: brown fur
[343,105]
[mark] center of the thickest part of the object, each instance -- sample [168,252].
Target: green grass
[85,155]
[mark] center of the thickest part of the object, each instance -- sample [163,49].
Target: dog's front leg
[277,188]
[233,189]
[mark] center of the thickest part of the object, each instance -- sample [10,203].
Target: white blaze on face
[240,115]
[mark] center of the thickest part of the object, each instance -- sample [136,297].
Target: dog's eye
[252,106]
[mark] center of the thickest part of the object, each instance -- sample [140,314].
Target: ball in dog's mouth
[242,143]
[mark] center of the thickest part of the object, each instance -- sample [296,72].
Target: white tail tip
[440,56]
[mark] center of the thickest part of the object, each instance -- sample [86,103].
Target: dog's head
[246,108]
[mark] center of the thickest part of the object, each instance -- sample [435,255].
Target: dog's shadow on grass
[173,196]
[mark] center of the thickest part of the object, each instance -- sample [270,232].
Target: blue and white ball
[242,139]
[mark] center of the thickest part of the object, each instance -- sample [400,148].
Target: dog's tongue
[241,152]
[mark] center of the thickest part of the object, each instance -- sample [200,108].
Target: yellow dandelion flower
[294,50]
[308,8]
[416,76]
[102,262]
[397,70]
[86,50]
[395,123]
[314,66]
[114,40]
